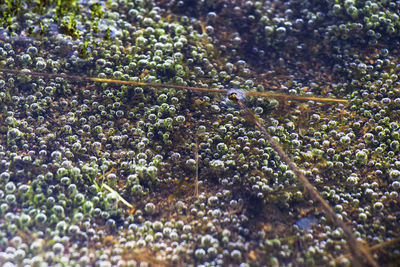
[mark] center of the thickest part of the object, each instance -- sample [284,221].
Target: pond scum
[103,171]
[358,252]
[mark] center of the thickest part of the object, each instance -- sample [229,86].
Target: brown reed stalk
[359,254]
[196,155]
[173,86]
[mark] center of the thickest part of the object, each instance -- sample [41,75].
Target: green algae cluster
[104,174]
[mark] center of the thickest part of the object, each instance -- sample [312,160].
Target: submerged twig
[196,155]
[375,247]
[177,87]
[359,253]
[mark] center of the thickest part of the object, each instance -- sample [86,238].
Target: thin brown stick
[359,253]
[177,87]
[196,155]
[375,247]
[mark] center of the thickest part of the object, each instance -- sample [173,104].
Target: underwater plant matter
[179,87]
[356,249]
[62,138]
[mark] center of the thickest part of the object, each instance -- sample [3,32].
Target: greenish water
[107,174]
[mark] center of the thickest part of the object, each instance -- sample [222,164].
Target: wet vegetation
[104,173]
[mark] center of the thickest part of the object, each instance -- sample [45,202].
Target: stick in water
[177,87]
[359,253]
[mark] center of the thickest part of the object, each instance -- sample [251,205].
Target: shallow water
[106,174]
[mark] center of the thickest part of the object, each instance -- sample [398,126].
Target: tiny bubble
[240,94]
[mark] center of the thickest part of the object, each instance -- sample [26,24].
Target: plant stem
[196,188]
[178,87]
[359,253]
